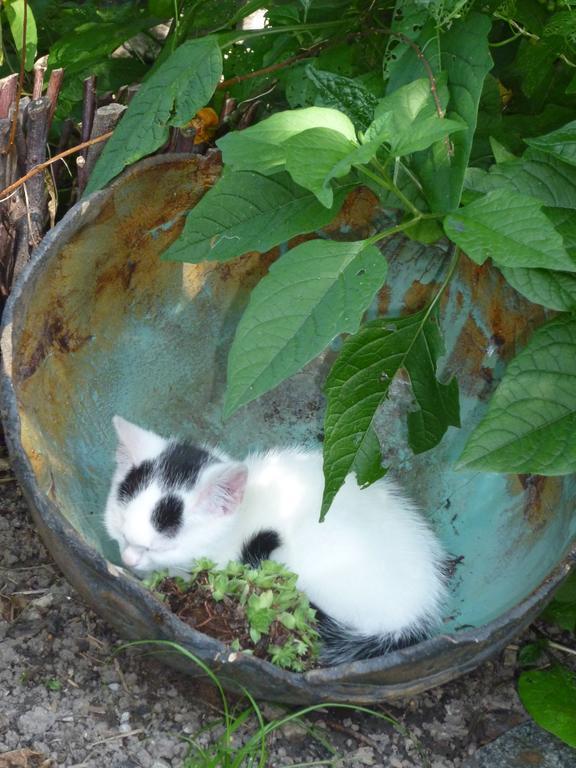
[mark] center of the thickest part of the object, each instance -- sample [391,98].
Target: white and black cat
[373,569]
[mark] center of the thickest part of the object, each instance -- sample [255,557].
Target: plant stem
[449,274]
[247,34]
[384,182]
[393,230]
[393,188]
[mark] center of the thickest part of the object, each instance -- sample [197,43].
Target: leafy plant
[455,114]
[549,693]
[255,610]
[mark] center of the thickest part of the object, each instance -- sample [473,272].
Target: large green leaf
[15,15]
[261,147]
[552,289]
[537,174]
[171,96]
[92,42]
[312,159]
[531,420]
[359,381]
[313,293]
[408,121]
[462,53]
[249,212]
[560,143]
[509,228]
[549,696]
[343,93]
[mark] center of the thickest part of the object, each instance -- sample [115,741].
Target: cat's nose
[131,557]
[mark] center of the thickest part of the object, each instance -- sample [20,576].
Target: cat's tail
[342,644]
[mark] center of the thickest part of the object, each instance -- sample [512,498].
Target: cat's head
[170,502]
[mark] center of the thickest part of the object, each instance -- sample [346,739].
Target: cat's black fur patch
[135,481]
[341,644]
[259,548]
[180,464]
[167,515]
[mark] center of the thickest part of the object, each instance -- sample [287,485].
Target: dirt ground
[65,703]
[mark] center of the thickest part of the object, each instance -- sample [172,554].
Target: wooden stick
[37,122]
[53,90]
[33,171]
[88,109]
[39,71]
[105,120]
[8,88]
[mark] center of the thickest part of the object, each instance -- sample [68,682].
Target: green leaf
[560,143]
[345,94]
[501,154]
[15,15]
[261,147]
[552,289]
[171,96]
[359,381]
[531,653]
[531,419]
[462,53]
[312,159]
[564,222]
[163,9]
[249,212]
[541,176]
[562,609]
[313,293]
[509,228]
[549,696]
[368,460]
[287,620]
[92,43]
[408,120]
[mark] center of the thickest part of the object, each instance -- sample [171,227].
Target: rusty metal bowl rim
[47,516]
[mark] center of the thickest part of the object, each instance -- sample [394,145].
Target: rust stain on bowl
[542,495]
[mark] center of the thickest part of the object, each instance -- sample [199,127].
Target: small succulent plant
[253,610]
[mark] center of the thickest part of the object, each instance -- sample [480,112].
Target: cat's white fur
[374,564]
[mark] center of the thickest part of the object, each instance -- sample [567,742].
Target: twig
[356,735]
[560,647]
[88,109]
[47,163]
[135,732]
[20,78]
[273,67]
[419,53]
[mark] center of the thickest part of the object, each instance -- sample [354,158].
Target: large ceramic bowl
[99,325]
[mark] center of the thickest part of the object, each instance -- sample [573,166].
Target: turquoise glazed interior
[109,328]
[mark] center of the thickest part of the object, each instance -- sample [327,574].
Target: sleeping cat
[373,569]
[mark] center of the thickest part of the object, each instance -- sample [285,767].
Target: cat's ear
[222,488]
[135,444]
